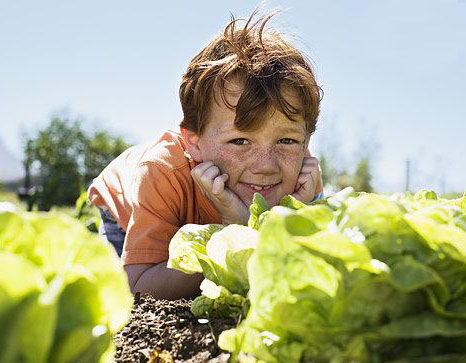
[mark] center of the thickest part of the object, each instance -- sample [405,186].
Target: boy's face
[266,160]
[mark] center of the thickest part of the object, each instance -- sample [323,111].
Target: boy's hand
[212,183]
[307,179]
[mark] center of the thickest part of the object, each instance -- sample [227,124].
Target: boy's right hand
[212,183]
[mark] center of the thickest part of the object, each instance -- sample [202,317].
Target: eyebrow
[286,130]
[292,129]
[282,129]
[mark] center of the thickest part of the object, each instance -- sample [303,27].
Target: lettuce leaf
[217,301]
[258,206]
[357,277]
[221,254]
[188,244]
[63,292]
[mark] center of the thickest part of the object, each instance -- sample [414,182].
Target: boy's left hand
[307,179]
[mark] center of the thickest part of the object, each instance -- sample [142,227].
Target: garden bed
[166,331]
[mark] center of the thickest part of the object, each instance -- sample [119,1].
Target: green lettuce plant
[63,292]
[221,253]
[357,277]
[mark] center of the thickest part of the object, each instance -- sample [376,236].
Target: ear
[191,139]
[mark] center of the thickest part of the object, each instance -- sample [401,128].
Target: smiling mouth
[259,188]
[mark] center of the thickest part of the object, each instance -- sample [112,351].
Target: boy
[250,104]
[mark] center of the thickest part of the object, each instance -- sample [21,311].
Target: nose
[265,161]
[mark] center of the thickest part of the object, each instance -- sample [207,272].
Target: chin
[273,202]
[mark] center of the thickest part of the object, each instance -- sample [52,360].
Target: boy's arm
[156,216]
[162,282]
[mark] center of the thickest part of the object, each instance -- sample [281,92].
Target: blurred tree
[28,192]
[366,157]
[67,159]
[339,170]
[362,176]
[100,150]
[58,149]
[344,179]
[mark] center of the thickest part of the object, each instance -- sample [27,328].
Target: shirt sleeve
[155,214]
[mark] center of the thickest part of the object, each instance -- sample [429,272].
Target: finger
[311,160]
[198,170]
[310,170]
[209,175]
[218,185]
[305,181]
[307,154]
[309,167]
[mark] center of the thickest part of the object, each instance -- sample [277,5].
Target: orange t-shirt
[150,192]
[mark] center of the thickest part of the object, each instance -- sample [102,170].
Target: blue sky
[393,73]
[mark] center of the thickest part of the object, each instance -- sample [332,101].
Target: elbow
[134,274]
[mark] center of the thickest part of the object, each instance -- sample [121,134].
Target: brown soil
[166,331]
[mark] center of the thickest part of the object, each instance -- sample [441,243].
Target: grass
[89,215]
[451,195]
[11,197]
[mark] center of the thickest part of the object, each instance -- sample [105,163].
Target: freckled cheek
[229,162]
[291,163]
[291,160]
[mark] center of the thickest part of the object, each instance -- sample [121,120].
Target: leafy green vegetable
[258,206]
[187,244]
[365,278]
[291,202]
[221,254]
[425,194]
[63,292]
[229,250]
[357,277]
[87,213]
[217,301]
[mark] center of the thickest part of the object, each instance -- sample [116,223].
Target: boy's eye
[287,141]
[239,142]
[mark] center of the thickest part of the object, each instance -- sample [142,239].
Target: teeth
[259,188]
